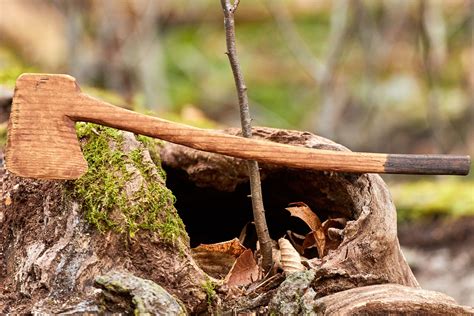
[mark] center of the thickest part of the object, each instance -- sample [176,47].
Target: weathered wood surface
[42,142]
[50,254]
[390,299]
[370,251]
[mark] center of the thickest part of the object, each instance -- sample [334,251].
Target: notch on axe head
[42,141]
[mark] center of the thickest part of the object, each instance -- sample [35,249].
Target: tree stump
[58,237]
[113,241]
[369,253]
[391,299]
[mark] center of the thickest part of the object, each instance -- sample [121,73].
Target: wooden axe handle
[42,141]
[265,151]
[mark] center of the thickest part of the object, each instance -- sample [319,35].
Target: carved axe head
[42,141]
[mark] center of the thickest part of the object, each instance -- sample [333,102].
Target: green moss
[153,145]
[449,198]
[210,289]
[3,135]
[103,188]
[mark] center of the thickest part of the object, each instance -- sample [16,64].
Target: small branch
[322,71]
[433,49]
[295,43]
[254,173]
[235,6]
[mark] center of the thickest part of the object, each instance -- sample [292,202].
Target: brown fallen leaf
[334,222]
[333,229]
[244,271]
[303,212]
[296,240]
[217,259]
[232,247]
[316,239]
[317,236]
[8,200]
[290,258]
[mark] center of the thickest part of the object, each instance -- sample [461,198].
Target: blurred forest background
[386,76]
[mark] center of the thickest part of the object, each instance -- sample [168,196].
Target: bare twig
[333,94]
[433,41]
[297,46]
[322,71]
[235,5]
[254,174]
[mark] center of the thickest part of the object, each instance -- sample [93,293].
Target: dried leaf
[290,258]
[215,264]
[8,200]
[303,212]
[317,236]
[334,222]
[217,259]
[296,240]
[232,247]
[333,229]
[316,239]
[244,271]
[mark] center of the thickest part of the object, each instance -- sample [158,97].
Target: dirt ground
[441,255]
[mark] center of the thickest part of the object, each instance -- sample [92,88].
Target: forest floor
[441,255]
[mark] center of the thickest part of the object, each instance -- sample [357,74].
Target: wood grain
[389,299]
[42,141]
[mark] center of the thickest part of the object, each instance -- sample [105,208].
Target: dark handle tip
[428,164]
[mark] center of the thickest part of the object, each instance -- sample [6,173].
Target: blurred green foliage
[3,135]
[449,197]
[11,67]
[386,82]
[105,95]
[199,72]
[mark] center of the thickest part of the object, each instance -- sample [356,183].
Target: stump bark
[369,253]
[57,238]
[390,299]
[111,241]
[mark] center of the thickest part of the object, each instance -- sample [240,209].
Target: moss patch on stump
[124,189]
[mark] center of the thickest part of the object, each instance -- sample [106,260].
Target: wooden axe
[42,141]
